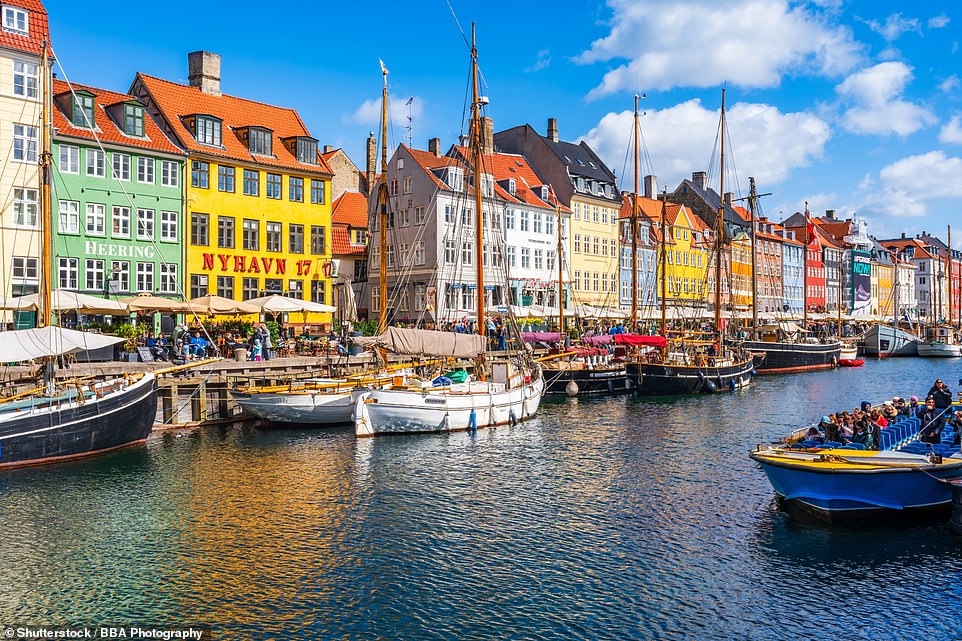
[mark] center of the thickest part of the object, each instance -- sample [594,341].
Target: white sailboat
[510,393]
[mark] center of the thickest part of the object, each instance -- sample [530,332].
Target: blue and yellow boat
[842,482]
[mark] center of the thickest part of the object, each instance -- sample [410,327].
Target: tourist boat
[675,369]
[502,391]
[883,340]
[837,483]
[939,343]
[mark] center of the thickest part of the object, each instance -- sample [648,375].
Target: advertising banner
[861,283]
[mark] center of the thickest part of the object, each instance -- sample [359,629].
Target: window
[83,110]
[317,192]
[594,246]
[524,221]
[168,278]
[407,184]
[376,299]
[252,182]
[295,189]
[251,234]
[95,163]
[404,218]
[419,215]
[318,291]
[198,285]
[208,130]
[318,240]
[509,218]
[69,159]
[120,222]
[273,237]
[25,143]
[390,256]
[403,249]
[537,223]
[295,288]
[551,258]
[273,286]
[24,79]
[69,217]
[225,286]
[68,273]
[450,252]
[539,259]
[225,232]
[467,253]
[274,186]
[512,256]
[26,268]
[145,170]
[199,231]
[307,151]
[393,187]
[94,274]
[96,221]
[15,20]
[295,235]
[169,174]
[121,166]
[420,297]
[145,224]
[525,258]
[250,288]
[225,179]
[199,174]
[25,207]
[119,276]
[259,141]
[168,226]
[419,252]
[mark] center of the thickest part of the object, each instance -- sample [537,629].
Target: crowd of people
[189,344]
[863,424]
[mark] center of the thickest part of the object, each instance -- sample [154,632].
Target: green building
[117,197]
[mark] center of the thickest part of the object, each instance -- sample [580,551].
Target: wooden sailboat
[714,368]
[501,392]
[786,351]
[940,340]
[883,340]
[79,418]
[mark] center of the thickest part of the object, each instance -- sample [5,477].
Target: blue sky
[853,106]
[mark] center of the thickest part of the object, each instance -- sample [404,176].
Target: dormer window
[487,185]
[306,150]
[544,193]
[207,130]
[512,186]
[134,120]
[15,21]
[259,141]
[455,178]
[83,110]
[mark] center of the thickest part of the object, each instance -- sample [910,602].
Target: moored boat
[939,343]
[883,340]
[794,356]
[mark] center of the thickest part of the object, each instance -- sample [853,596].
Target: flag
[383,68]
[812,236]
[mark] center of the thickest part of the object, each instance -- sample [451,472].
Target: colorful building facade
[258,212]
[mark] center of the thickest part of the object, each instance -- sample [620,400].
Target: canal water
[611,519]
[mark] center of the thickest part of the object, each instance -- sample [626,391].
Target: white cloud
[910,186]
[877,106]
[701,43]
[894,26]
[543,61]
[938,22]
[766,143]
[369,113]
[949,84]
[951,132]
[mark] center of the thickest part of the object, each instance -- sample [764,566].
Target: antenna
[410,126]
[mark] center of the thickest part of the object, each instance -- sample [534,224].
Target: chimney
[434,146]
[487,130]
[903,234]
[328,149]
[700,178]
[553,129]
[371,161]
[830,214]
[729,196]
[651,186]
[203,71]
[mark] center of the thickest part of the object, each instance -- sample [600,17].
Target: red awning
[635,340]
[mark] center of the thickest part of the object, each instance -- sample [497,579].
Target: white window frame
[169,222]
[26,208]
[95,274]
[145,170]
[121,164]
[26,141]
[96,163]
[95,220]
[168,278]
[68,273]
[69,217]
[123,218]
[169,173]
[145,277]
[16,20]
[145,224]
[25,79]
[69,159]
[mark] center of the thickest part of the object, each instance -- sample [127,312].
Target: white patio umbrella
[220,306]
[62,300]
[275,304]
[147,302]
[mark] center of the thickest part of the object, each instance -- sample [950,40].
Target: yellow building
[25,86]
[882,294]
[258,208]
[740,280]
[687,257]
[594,251]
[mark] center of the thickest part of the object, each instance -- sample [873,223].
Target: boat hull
[939,350]
[71,430]
[884,341]
[589,381]
[850,362]
[322,408]
[659,379]
[782,357]
[837,495]
[390,411]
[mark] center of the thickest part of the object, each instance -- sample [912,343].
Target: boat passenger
[879,419]
[830,428]
[890,412]
[942,394]
[933,421]
[914,409]
[847,427]
[956,423]
[814,434]
[864,434]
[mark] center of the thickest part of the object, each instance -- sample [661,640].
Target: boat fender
[571,389]
[473,422]
[754,373]
[512,418]
[834,361]
[732,385]
[709,386]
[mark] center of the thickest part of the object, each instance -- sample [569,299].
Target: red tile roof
[350,208]
[38,29]
[178,101]
[108,130]
[513,166]
[901,243]
[341,237]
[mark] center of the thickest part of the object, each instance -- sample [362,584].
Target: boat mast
[948,259]
[895,292]
[752,200]
[477,148]
[841,256]
[663,260]
[634,231]
[561,292]
[46,214]
[382,214]
[719,226]
[805,275]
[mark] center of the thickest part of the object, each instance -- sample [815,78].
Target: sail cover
[634,339]
[423,342]
[28,344]
[536,337]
